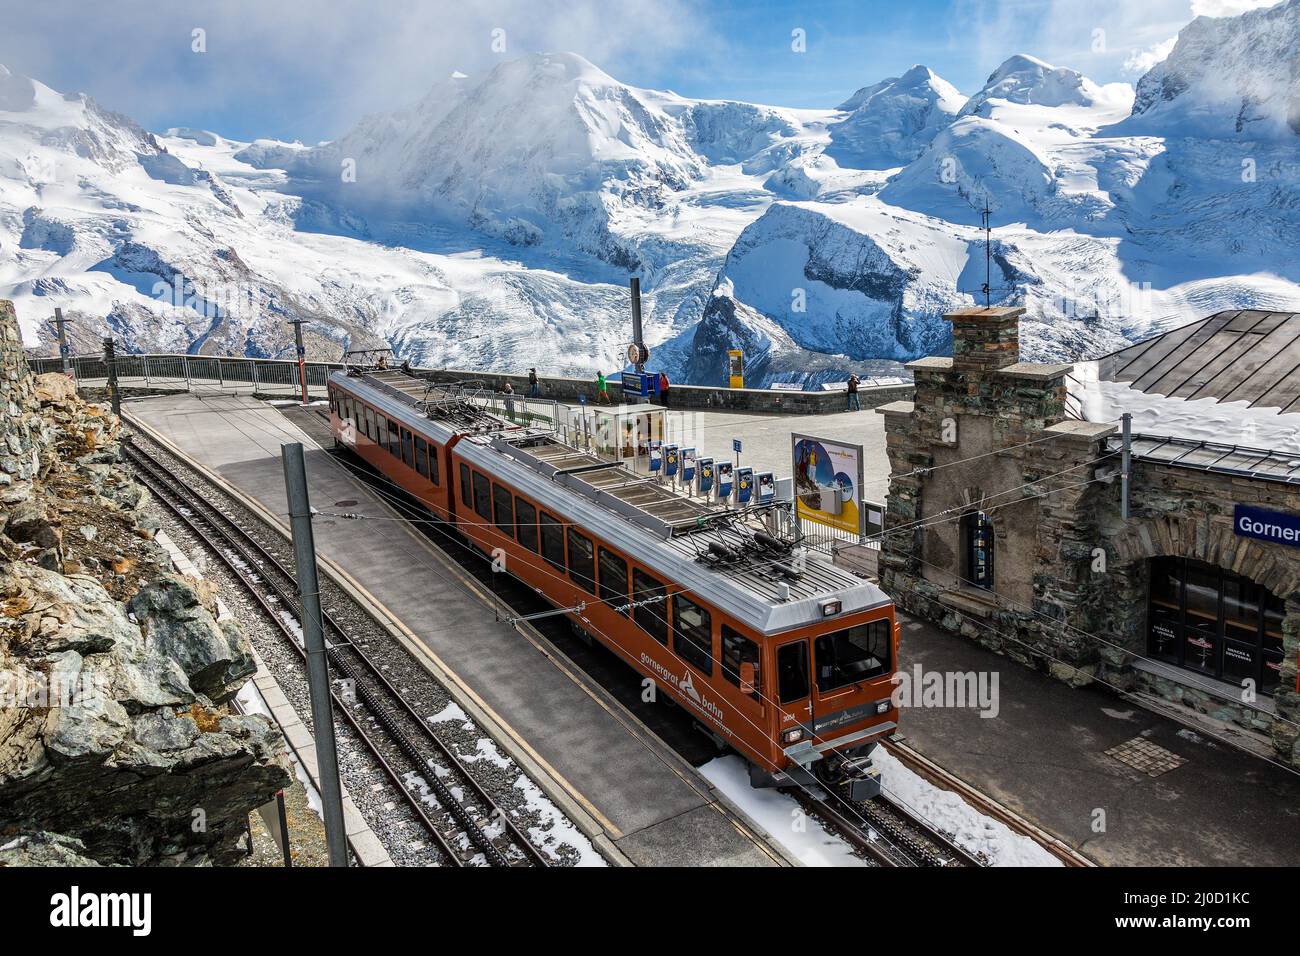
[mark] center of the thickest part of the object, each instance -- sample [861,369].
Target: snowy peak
[1028,81]
[1228,77]
[892,122]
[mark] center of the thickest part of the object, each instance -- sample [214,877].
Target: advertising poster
[828,482]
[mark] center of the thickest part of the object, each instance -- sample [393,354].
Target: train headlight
[792,736]
[882,707]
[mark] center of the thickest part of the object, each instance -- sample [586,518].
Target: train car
[778,654]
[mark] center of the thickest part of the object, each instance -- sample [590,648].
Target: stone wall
[116,744]
[770,401]
[988,433]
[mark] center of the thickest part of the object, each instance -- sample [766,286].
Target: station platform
[647,801]
[1045,756]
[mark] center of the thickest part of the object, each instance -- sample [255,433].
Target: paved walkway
[1044,755]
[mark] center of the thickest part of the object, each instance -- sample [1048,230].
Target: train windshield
[857,653]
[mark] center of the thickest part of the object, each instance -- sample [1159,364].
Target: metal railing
[196,373]
[817,536]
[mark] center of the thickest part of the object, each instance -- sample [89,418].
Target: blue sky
[307,69]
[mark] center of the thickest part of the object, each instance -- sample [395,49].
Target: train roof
[711,551]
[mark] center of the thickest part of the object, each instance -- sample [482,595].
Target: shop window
[652,617]
[526,524]
[737,649]
[1214,622]
[693,634]
[854,654]
[977,549]
[613,580]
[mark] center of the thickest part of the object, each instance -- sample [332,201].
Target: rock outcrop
[116,744]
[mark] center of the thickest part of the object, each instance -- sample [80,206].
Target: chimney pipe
[636,323]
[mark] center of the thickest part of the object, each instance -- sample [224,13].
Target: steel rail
[238,538]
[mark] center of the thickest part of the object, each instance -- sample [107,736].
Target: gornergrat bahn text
[777,653]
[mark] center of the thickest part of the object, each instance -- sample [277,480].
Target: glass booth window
[977,549]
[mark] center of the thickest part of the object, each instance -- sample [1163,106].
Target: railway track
[887,832]
[461,818]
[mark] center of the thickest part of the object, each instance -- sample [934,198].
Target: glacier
[494,222]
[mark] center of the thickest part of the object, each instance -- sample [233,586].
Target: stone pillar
[985,339]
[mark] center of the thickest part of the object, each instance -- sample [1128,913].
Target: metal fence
[196,373]
[826,538]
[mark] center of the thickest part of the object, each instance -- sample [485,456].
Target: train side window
[408,452]
[466,491]
[381,430]
[526,524]
[483,496]
[553,541]
[582,561]
[422,456]
[737,649]
[613,580]
[792,672]
[693,634]
[370,422]
[503,512]
[333,396]
[433,464]
[651,618]
[394,439]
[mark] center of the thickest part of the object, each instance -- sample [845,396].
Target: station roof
[1237,356]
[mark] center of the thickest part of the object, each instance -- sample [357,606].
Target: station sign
[1275,526]
[744,485]
[735,445]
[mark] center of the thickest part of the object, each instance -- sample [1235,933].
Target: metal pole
[636,325]
[1126,431]
[318,679]
[65,353]
[110,363]
[285,851]
[302,356]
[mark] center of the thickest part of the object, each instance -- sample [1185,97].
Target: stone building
[1004,515]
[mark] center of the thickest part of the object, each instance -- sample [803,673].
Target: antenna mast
[988,252]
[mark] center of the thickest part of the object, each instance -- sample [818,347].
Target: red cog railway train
[779,655]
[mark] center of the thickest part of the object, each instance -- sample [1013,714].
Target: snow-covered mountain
[1228,78]
[494,222]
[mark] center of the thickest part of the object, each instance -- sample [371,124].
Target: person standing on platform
[854,381]
[534,388]
[663,389]
[602,389]
[509,392]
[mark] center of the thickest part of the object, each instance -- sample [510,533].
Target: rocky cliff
[116,744]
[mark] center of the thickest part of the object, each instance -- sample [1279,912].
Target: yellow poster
[736,367]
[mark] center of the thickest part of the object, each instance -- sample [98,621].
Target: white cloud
[317,65]
[1139,61]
